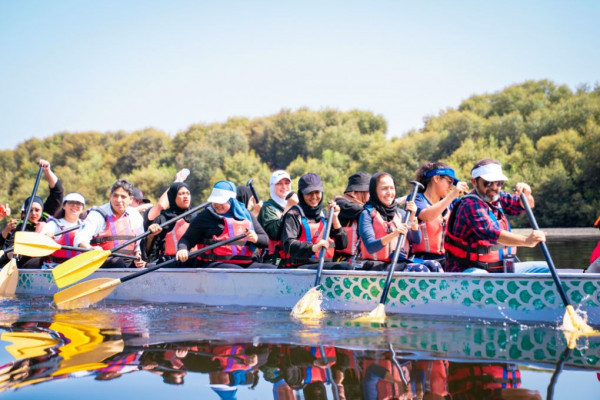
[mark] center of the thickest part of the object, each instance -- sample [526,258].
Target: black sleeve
[54,201]
[203,226]
[339,237]
[291,229]
[263,238]
[349,211]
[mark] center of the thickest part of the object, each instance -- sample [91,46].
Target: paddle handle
[323,251]
[254,194]
[192,254]
[546,252]
[399,246]
[143,235]
[33,193]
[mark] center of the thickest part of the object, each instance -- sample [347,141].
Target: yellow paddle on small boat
[90,292]
[572,322]
[77,268]
[33,244]
[309,306]
[378,314]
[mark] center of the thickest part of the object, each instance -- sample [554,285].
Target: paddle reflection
[46,351]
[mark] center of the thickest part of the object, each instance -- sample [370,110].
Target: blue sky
[125,65]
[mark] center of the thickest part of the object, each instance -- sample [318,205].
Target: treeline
[544,134]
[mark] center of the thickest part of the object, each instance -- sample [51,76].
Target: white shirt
[95,223]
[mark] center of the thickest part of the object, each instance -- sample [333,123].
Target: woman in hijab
[303,226]
[224,218]
[380,225]
[68,216]
[161,244]
[245,196]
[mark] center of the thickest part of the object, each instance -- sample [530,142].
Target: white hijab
[275,178]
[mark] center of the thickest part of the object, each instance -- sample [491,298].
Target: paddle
[9,276]
[56,234]
[84,264]
[33,244]
[571,321]
[90,292]
[310,304]
[254,194]
[559,366]
[378,314]
[329,373]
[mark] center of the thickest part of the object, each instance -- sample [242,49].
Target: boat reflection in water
[408,359]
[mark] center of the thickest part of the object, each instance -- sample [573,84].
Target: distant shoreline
[558,232]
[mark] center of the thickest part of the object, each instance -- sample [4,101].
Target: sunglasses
[488,184]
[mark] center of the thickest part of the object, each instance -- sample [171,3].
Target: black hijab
[243,194]
[308,183]
[173,209]
[386,212]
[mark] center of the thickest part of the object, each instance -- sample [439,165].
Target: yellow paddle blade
[309,306]
[28,344]
[34,244]
[377,315]
[575,325]
[82,338]
[91,360]
[78,267]
[85,293]
[9,278]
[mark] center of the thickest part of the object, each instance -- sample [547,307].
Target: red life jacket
[387,390]
[351,229]
[432,237]
[172,238]
[382,228]
[230,364]
[65,239]
[237,252]
[311,231]
[474,380]
[482,253]
[319,374]
[432,376]
[117,231]
[595,253]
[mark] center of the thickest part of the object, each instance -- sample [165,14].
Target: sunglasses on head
[488,184]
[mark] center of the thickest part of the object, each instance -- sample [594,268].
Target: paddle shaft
[323,251]
[83,249]
[557,371]
[254,194]
[547,256]
[334,388]
[192,254]
[399,246]
[33,193]
[143,235]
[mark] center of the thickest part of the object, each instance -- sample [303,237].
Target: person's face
[283,187]
[183,198]
[386,192]
[443,184]
[73,208]
[313,198]
[488,190]
[221,208]
[119,201]
[36,212]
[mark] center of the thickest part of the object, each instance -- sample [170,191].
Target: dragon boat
[516,297]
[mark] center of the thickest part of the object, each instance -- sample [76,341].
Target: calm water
[155,351]
[566,252]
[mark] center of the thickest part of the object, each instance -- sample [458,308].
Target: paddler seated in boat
[111,224]
[68,216]
[594,266]
[380,225]
[478,237]
[161,244]
[440,188]
[303,226]
[282,199]
[224,218]
[40,212]
[351,204]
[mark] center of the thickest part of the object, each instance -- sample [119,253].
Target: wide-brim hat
[358,182]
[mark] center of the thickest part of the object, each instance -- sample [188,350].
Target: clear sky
[108,65]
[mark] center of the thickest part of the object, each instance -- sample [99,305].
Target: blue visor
[442,171]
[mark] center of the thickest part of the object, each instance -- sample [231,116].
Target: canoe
[516,297]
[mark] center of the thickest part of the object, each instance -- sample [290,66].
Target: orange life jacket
[432,376]
[116,232]
[387,390]
[230,364]
[474,380]
[311,231]
[237,252]
[172,238]
[432,237]
[382,228]
[351,229]
[319,374]
[482,253]
[66,239]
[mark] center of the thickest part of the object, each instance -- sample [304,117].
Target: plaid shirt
[473,221]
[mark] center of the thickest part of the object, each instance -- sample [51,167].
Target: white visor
[74,197]
[489,172]
[220,196]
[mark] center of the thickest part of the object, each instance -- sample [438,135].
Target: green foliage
[544,134]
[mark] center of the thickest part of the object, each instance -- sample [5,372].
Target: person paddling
[111,224]
[479,238]
[67,217]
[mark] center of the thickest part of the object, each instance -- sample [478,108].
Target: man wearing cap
[303,227]
[351,204]
[139,202]
[478,238]
[272,210]
[111,224]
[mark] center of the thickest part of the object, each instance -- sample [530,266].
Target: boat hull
[519,297]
